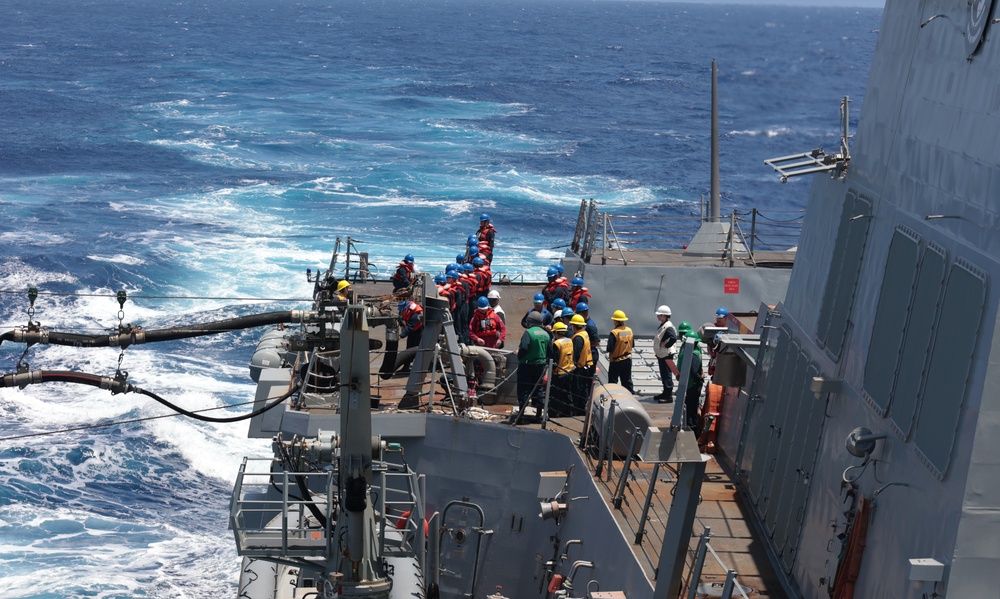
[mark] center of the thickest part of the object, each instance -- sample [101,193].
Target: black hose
[138,336]
[120,386]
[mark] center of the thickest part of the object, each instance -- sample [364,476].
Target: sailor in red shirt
[577,293]
[487,329]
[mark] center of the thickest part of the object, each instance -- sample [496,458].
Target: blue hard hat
[578,281]
[440,279]
[460,258]
[451,274]
[403,305]
[560,268]
[473,240]
[478,261]
[483,217]
[467,267]
[539,298]
[558,303]
[552,272]
[722,312]
[451,266]
[408,258]
[483,302]
[582,307]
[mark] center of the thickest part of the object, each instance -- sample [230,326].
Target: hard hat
[467,267]
[483,217]
[693,335]
[408,258]
[478,261]
[472,240]
[559,327]
[343,285]
[617,315]
[559,303]
[403,305]
[539,298]
[452,266]
[560,268]
[557,314]
[440,279]
[663,310]
[684,328]
[552,272]
[577,281]
[493,294]
[483,303]
[534,318]
[460,258]
[582,307]
[451,274]
[578,320]
[721,313]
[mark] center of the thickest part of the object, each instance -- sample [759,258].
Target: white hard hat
[493,294]
[664,310]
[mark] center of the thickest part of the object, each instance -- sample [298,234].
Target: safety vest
[577,296]
[485,323]
[487,234]
[403,274]
[585,360]
[538,346]
[624,342]
[563,357]
[413,309]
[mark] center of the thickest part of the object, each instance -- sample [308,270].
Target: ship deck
[721,509]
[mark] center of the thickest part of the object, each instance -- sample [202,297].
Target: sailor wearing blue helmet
[403,277]
[538,307]
[412,317]
[486,232]
[557,287]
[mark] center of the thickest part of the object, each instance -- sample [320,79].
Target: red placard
[731,286]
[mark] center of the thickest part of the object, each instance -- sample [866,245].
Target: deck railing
[609,237]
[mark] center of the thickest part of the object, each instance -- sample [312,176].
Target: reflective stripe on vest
[623,344]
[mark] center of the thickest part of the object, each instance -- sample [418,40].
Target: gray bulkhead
[893,292]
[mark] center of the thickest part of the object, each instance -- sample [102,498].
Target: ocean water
[202,154]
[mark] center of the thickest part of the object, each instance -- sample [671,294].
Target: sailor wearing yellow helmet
[343,288]
[583,362]
[620,344]
[561,354]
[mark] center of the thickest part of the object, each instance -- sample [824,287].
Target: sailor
[403,277]
[557,287]
[620,344]
[692,395]
[561,354]
[485,252]
[471,248]
[532,354]
[343,288]
[577,293]
[663,348]
[583,365]
[412,316]
[583,310]
[486,231]
[486,328]
[711,339]
[459,306]
[460,259]
[484,277]
[559,312]
[494,298]
[537,308]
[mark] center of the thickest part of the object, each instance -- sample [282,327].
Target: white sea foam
[117,259]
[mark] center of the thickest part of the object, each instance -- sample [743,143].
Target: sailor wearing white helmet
[663,349]
[494,298]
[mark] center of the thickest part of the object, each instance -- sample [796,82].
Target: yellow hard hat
[343,285]
[558,327]
[619,315]
[578,320]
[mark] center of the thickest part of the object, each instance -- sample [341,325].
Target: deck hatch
[841,282]
[917,341]
[950,364]
[894,301]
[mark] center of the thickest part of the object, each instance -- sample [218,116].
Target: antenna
[817,161]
